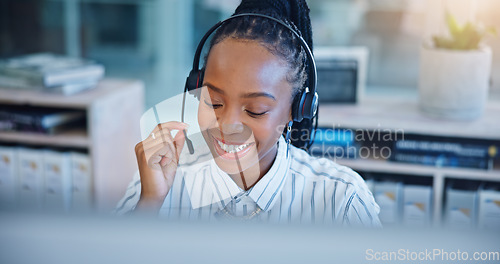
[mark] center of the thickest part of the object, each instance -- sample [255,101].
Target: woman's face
[244,104]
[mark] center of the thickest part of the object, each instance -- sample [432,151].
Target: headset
[305,104]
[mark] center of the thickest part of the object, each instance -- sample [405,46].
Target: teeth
[232,148]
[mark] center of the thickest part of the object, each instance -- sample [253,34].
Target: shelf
[402,115]
[76,138]
[419,170]
[114,106]
[106,87]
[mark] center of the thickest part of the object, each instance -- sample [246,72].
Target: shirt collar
[264,193]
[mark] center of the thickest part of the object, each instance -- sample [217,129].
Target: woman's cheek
[206,117]
[267,130]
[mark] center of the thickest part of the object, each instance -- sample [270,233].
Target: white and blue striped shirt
[297,188]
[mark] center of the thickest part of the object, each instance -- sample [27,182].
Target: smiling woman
[250,96]
[253,85]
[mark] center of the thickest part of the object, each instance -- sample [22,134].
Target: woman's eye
[256,114]
[213,106]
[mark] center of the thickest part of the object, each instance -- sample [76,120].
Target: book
[457,147]
[489,209]
[442,160]
[49,70]
[57,181]
[417,202]
[37,119]
[64,89]
[30,168]
[460,211]
[8,177]
[388,196]
[446,152]
[81,173]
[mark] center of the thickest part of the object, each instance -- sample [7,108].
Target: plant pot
[454,84]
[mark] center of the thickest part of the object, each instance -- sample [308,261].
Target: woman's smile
[229,150]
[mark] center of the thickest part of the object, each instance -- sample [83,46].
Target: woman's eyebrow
[214,88]
[259,94]
[247,95]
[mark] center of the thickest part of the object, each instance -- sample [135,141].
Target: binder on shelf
[57,181]
[8,177]
[460,211]
[417,201]
[388,196]
[81,171]
[489,210]
[30,178]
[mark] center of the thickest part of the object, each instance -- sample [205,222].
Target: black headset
[305,104]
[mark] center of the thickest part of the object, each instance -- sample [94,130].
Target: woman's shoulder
[314,168]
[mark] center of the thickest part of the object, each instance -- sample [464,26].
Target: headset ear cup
[298,106]
[193,82]
[310,105]
[199,83]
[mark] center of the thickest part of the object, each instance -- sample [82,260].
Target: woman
[255,70]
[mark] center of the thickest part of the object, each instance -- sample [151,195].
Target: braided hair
[279,41]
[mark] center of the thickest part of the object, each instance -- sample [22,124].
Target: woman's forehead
[246,64]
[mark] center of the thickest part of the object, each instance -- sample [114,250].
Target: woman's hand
[158,157]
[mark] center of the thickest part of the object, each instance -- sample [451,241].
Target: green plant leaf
[492,30]
[467,37]
[442,43]
[452,24]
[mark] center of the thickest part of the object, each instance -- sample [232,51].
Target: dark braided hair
[279,41]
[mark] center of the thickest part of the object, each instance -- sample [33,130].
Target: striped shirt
[297,188]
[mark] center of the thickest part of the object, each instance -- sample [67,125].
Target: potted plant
[455,72]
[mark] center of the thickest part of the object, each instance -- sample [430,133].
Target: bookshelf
[113,110]
[401,115]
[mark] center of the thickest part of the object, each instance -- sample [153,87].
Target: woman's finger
[171,125]
[162,137]
[162,133]
[154,155]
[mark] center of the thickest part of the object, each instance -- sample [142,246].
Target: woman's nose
[234,128]
[230,123]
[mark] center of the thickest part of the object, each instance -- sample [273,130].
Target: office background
[154,40]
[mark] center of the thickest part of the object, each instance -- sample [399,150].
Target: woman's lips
[231,151]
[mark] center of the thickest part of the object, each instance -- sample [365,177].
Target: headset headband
[312,79]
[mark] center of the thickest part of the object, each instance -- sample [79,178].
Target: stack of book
[39,119]
[445,152]
[50,72]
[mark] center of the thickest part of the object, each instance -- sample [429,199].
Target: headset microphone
[189,143]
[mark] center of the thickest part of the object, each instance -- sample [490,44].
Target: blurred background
[154,40]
